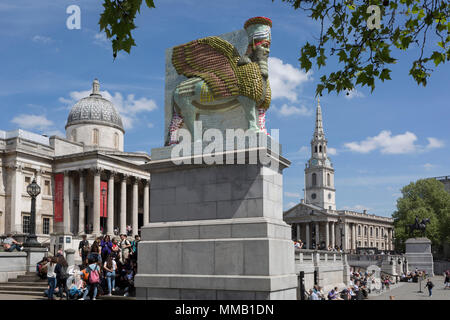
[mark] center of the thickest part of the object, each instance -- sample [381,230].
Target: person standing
[83,249]
[429,286]
[447,279]
[51,277]
[62,276]
[110,267]
[96,251]
[125,247]
[93,279]
[134,247]
[106,245]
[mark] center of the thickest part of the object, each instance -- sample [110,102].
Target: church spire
[95,88]
[318,132]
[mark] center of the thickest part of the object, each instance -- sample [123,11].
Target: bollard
[70,257]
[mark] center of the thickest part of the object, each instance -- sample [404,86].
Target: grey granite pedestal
[216,232]
[418,255]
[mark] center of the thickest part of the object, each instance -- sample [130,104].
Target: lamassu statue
[219,79]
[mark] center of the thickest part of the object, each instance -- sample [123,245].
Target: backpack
[63,273]
[94,275]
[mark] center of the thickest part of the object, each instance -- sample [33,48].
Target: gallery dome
[95,110]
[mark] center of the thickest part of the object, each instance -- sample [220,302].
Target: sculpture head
[259,38]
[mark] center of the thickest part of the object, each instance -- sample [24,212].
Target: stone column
[146,201]
[308,236]
[39,202]
[81,205]
[298,231]
[96,192]
[123,205]
[327,234]
[317,235]
[353,236]
[333,235]
[66,213]
[390,238]
[134,218]
[15,190]
[73,217]
[110,219]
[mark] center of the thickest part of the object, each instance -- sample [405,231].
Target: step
[24,284]
[40,289]
[24,293]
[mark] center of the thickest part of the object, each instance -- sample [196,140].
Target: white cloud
[150,125]
[42,39]
[354,94]
[332,151]
[101,40]
[389,144]
[285,79]
[292,194]
[30,121]
[286,111]
[434,143]
[428,166]
[129,108]
[54,133]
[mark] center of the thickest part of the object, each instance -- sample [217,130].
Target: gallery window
[359,230]
[320,148]
[371,231]
[95,137]
[376,232]
[46,225]
[116,140]
[26,224]
[314,179]
[315,149]
[47,188]
[328,179]
[313,196]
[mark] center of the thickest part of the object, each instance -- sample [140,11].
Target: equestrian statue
[421,226]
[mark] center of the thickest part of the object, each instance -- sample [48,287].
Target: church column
[317,236]
[298,231]
[73,217]
[123,205]
[308,236]
[110,218]
[66,213]
[353,236]
[134,219]
[327,235]
[81,206]
[96,216]
[146,201]
[333,235]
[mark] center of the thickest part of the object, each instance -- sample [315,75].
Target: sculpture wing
[212,59]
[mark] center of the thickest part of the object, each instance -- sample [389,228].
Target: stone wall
[12,264]
[331,267]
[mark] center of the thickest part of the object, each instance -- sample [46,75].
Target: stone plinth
[418,254]
[34,255]
[216,232]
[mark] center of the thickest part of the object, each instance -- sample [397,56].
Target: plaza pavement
[409,291]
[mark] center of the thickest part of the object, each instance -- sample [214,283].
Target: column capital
[18,166]
[145,182]
[135,180]
[96,170]
[111,174]
[124,176]
[81,172]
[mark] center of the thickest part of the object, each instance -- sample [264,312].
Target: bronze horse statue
[421,226]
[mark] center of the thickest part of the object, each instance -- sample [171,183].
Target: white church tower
[319,172]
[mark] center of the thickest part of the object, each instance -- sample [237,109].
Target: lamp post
[341,229]
[33,190]
[104,208]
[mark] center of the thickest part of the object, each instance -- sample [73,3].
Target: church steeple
[319,172]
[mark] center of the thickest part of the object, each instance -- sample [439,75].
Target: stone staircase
[28,284]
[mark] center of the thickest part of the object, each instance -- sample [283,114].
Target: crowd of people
[107,267]
[413,276]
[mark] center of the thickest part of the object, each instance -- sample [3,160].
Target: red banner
[103,199]
[59,197]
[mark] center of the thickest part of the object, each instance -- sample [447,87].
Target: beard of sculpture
[261,56]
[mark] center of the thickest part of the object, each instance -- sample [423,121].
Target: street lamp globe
[33,189]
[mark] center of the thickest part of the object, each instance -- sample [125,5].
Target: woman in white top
[110,267]
[51,277]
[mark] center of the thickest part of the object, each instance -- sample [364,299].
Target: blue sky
[381,141]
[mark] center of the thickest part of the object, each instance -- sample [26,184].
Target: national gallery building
[88,183]
[315,219]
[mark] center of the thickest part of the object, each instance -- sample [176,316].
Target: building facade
[317,222]
[88,183]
